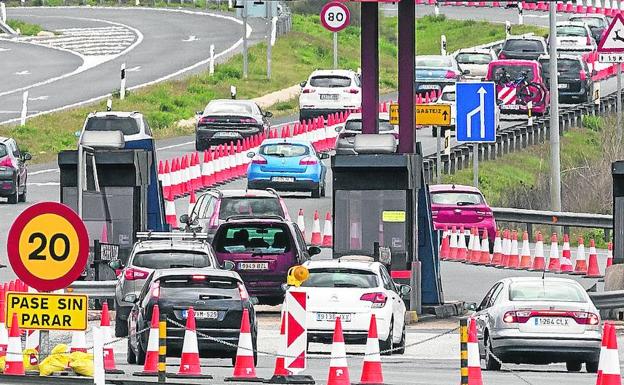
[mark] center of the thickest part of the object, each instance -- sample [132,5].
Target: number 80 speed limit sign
[335,16]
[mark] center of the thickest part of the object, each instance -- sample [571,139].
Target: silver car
[345,141]
[158,251]
[539,321]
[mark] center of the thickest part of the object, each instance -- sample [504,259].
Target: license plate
[329,97]
[428,87]
[562,86]
[551,321]
[227,134]
[510,107]
[202,314]
[253,266]
[282,179]
[331,317]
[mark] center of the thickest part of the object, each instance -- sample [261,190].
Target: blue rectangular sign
[476,112]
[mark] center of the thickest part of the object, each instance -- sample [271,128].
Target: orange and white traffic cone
[192,201]
[525,254]
[328,235]
[580,264]
[485,249]
[150,367]
[109,354]
[593,271]
[4,334]
[461,245]
[453,244]
[78,342]
[554,264]
[476,247]
[566,256]
[506,249]
[280,371]
[603,348]
[539,262]
[474,360]
[610,254]
[14,363]
[301,223]
[244,368]
[514,258]
[189,360]
[315,239]
[497,257]
[610,370]
[338,368]
[471,242]
[444,245]
[170,213]
[371,369]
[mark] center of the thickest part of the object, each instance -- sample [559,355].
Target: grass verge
[295,55]
[26,29]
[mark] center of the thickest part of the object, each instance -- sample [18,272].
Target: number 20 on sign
[48,246]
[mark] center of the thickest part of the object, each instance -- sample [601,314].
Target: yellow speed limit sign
[42,311]
[48,246]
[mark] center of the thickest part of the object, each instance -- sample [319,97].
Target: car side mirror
[314,250]
[27,156]
[268,114]
[251,154]
[228,265]
[338,128]
[254,300]
[466,72]
[77,134]
[405,290]
[184,218]
[303,83]
[132,298]
[472,307]
[115,264]
[323,155]
[199,113]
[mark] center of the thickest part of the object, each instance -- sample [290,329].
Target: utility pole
[245,63]
[269,5]
[555,162]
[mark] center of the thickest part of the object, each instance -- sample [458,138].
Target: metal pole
[555,162]
[475,165]
[335,50]
[269,5]
[122,87]
[438,157]
[81,173]
[370,69]
[619,102]
[245,63]
[406,56]
[24,112]
[162,348]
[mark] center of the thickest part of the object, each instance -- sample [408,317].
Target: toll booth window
[170,259]
[370,216]
[258,240]
[128,126]
[250,206]
[361,279]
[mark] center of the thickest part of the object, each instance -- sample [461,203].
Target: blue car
[287,165]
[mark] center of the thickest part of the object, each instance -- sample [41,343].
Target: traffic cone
[244,368]
[593,271]
[566,256]
[338,369]
[301,222]
[525,255]
[453,244]
[603,350]
[189,360]
[78,342]
[554,265]
[474,360]
[505,249]
[485,249]
[444,245]
[316,230]
[514,259]
[280,371]
[192,201]
[497,257]
[539,262]
[4,335]
[610,254]
[328,237]
[476,247]
[371,369]
[166,181]
[14,364]
[470,250]
[150,367]
[580,264]
[170,213]
[611,364]
[461,245]
[109,354]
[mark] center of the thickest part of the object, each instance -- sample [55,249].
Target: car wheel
[198,146]
[140,352]
[22,196]
[490,362]
[121,327]
[130,356]
[316,193]
[387,343]
[591,366]
[13,199]
[323,190]
[401,345]
[434,131]
[574,366]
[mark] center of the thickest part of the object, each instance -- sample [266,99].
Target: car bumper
[7,187]
[211,137]
[355,331]
[423,86]
[297,185]
[207,347]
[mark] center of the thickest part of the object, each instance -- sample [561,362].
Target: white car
[575,36]
[353,287]
[329,91]
[475,60]
[448,97]
[345,141]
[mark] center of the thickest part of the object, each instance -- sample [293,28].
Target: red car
[457,205]
[518,83]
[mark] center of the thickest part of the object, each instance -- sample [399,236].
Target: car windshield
[356,125]
[541,290]
[434,61]
[523,45]
[250,206]
[163,259]
[571,30]
[330,81]
[473,58]
[284,150]
[182,287]
[3,151]
[228,108]
[256,239]
[448,96]
[512,72]
[128,126]
[590,21]
[456,198]
[564,67]
[341,277]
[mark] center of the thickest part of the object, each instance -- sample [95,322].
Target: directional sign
[48,246]
[43,311]
[476,112]
[447,142]
[433,114]
[335,16]
[611,58]
[394,113]
[613,40]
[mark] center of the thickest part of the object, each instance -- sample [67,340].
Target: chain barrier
[506,368]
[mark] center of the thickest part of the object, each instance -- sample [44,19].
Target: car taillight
[377,299]
[583,75]
[520,316]
[586,318]
[198,277]
[450,74]
[207,120]
[242,290]
[308,161]
[484,213]
[7,162]
[133,273]
[352,91]
[501,55]
[308,90]
[248,120]
[155,290]
[258,160]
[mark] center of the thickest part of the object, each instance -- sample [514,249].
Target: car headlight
[6,172]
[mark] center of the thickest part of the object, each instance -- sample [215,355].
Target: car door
[21,165]
[483,316]
[398,306]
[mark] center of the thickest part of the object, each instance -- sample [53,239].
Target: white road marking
[134,69]
[191,38]
[46,171]
[21,73]
[43,97]
[5,49]
[43,184]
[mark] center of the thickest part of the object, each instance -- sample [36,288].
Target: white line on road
[43,97]
[22,73]
[134,69]
[5,49]
[191,38]
[43,171]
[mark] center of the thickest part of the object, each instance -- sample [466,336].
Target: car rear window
[546,291]
[514,72]
[523,45]
[3,151]
[564,67]
[434,61]
[284,150]
[228,108]
[456,198]
[258,239]
[590,21]
[571,31]
[330,81]
[341,277]
[128,126]
[170,259]
[448,96]
[250,206]
[182,286]
[473,58]
[356,125]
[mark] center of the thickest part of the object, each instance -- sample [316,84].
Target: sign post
[611,50]
[335,17]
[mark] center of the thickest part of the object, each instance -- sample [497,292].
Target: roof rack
[149,235]
[272,191]
[246,216]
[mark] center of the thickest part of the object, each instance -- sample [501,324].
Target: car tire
[121,327]
[316,193]
[387,343]
[490,362]
[130,356]
[434,132]
[323,193]
[22,197]
[140,357]
[401,346]
[591,366]
[14,198]
[574,366]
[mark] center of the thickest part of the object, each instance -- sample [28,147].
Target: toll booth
[617,172]
[382,203]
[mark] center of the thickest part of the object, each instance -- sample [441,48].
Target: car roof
[571,23]
[286,140]
[169,244]
[240,193]
[333,72]
[537,279]
[234,101]
[342,262]
[115,114]
[358,115]
[525,37]
[453,187]
[514,62]
[213,272]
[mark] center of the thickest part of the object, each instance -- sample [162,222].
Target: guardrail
[558,218]
[608,300]
[94,289]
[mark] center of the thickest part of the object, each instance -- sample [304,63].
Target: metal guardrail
[94,289]
[608,300]
[594,221]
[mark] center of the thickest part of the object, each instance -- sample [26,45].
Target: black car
[13,171]
[226,120]
[575,78]
[218,298]
[523,47]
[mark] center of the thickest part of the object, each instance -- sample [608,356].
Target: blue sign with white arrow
[476,112]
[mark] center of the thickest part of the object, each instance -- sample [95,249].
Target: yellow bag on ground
[57,361]
[2,364]
[31,360]
[75,356]
[83,366]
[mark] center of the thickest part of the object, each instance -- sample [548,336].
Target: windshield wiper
[344,285]
[463,203]
[179,266]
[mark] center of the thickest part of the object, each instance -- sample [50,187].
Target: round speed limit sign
[335,16]
[48,246]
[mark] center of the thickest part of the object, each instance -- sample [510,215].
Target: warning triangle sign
[613,40]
